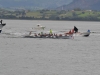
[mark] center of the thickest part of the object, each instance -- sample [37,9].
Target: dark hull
[54,37]
[3,24]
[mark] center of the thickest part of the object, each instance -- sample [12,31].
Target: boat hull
[53,37]
[85,34]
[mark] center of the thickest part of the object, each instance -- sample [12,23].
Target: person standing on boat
[1,21]
[1,26]
[0,30]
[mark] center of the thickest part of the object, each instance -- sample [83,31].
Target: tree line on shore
[71,15]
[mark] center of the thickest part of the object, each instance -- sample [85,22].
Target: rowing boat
[54,36]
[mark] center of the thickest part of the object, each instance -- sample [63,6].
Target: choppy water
[30,56]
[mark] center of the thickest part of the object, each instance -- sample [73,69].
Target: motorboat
[86,34]
[39,27]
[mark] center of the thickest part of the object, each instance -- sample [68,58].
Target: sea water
[38,56]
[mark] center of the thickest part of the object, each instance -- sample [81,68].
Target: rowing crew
[50,35]
[41,35]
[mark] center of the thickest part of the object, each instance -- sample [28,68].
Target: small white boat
[86,34]
[39,27]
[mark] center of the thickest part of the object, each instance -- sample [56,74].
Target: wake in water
[12,34]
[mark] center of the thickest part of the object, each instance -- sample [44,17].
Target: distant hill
[83,4]
[33,4]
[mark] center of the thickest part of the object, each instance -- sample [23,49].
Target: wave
[11,34]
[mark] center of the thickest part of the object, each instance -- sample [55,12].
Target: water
[30,56]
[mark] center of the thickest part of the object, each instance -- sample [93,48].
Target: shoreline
[50,20]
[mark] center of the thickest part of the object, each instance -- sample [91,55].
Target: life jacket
[50,31]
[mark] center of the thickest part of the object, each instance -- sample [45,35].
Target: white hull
[85,34]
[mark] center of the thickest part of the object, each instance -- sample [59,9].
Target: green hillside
[81,15]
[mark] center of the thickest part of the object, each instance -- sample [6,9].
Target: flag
[75,29]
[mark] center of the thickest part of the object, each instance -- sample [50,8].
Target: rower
[30,33]
[50,31]
[41,33]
